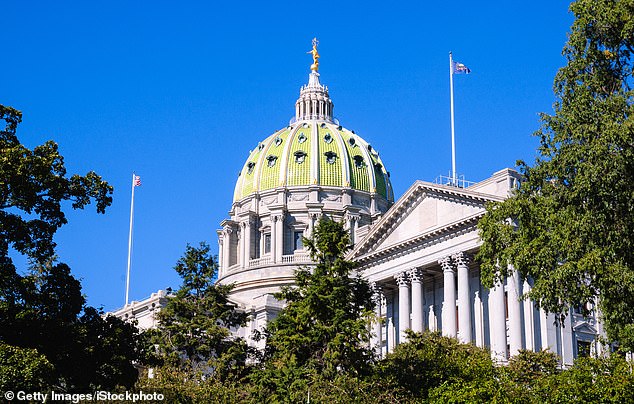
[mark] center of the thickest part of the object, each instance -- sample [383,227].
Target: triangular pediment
[584,328]
[424,208]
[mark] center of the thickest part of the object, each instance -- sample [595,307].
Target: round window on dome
[358,161]
[328,138]
[300,156]
[250,167]
[352,142]
[278,141]
[271,160]
[301,138]
[331,157]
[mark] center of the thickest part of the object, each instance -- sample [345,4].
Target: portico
[431,281]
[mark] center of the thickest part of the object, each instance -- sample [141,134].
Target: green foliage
[183,387]
[572,230]
[603,380]
[429,361]
[33,185]
[193,333]
[528,366]
[46,312]
[324,325]
[23,369]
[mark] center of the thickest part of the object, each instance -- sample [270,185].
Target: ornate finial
[315,66]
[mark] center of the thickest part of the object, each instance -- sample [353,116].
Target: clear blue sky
[181,91]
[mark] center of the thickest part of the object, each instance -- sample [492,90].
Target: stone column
[548,331]
[377,327]
[240,252]
[273,254]
[497,323]
[464,297]
[529,319]
[449,300]
[221,263]
[567,354]
[515,311]
[247,242]
[416,277]
[226,246]
[403,305]
[279,233]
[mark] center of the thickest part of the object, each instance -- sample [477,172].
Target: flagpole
[127,280]
[453,137]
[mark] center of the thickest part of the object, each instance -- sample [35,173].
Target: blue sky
[180,92]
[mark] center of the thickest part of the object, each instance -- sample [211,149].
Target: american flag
[459,68]
[137,181]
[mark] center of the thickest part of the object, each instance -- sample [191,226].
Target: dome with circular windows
[310,169]
[314,152]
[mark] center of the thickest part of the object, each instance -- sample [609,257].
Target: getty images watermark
[53,396]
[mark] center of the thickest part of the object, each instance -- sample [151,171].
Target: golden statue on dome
[315,66]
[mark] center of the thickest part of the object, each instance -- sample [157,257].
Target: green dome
[313,153]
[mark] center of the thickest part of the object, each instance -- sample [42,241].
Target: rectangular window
[297,240]
[267,243]
[583,349]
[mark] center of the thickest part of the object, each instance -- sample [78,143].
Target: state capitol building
[416,251]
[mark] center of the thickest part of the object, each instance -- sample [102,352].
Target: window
[331,157]
[583,349]
[300,156]
[328,138]
[271,160]
[278,141]
[301,138]
[297,240]
[250,167]
[358,161]
[267,243]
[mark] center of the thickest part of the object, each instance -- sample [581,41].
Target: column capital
[416,275]
[277,217]
[401,279]
[377,292]
[447,264]
[462,258]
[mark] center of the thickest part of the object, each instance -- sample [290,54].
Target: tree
[33,185]
[193,333]
[570,227]
[46,313]
[429,364]
[23,369]
[48,334]
[590,380]
[323,329]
